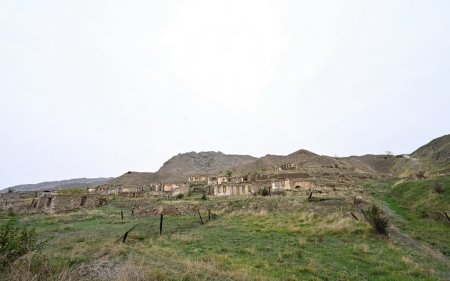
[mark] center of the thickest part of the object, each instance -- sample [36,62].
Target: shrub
[265,191]
[204,197]
[180,196]
[377,220]
[15,241]
[438,187]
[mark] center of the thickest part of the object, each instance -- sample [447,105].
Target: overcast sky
[97,88]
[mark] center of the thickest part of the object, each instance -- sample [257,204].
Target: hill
[134,178]
[63,184]
[201,163]
[435,155]
[432,159]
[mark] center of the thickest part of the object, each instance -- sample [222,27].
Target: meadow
[248,238]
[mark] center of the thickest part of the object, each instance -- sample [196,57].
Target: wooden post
[310,196]
[132,212]
[270,191]
[161,224]
[201,219]
[362,211]
[353,215]
[126,233]
[121,214]
[447,216]
[210,214]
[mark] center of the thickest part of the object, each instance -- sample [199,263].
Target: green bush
[180,196]
[204,197]
[377,220]
[265,191]
[15,241]
[438,187]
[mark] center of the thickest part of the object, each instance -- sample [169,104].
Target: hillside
[63,184]
[372,164]
[134,178]
[435,155]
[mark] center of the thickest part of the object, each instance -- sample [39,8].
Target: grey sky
[97,88]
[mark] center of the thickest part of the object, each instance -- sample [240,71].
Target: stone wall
[56,203]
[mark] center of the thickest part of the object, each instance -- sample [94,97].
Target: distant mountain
[431,159]
[63,184]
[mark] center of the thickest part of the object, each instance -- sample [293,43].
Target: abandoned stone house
[222,179]
[289,166]
[53,202]
[197,178]
[176,188]
[233,189]
[281,184]
[16,200]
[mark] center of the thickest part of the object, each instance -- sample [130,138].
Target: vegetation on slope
[421,206]
[261,238]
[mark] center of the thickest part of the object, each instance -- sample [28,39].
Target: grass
[421,209]
[278,238]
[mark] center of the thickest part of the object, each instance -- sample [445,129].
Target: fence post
[448,218]
[161,224]
[201,219]
[121,214]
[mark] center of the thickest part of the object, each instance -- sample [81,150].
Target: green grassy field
[261,238]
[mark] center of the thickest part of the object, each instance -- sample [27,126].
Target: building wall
[281,184]
[233,189]
[57,203]
[221,180]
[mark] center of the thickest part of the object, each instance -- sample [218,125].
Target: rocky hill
[202,163]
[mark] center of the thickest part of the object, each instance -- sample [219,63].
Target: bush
[438,187]
[265,191]
[377,220]
[180,196]
[15,241]
[204,197]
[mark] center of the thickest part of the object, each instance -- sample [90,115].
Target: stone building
[55,202]
[281,184]
[289,166]
[197,178]
[233,189]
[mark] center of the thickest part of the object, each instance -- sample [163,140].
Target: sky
[97,88]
